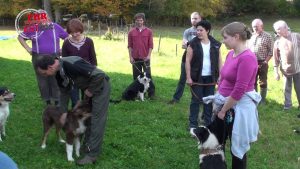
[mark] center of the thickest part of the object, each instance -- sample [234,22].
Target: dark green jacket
[76,71]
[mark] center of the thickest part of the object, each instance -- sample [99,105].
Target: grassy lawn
[148,135]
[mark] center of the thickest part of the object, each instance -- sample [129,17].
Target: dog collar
[211,150]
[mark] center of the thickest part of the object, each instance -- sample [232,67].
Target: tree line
[158,12]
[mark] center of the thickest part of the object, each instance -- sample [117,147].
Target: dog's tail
[297,131]
[115,101]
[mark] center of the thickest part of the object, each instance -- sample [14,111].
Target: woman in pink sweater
[237,85]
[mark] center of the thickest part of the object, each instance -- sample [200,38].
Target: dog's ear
[62,119]
[201,133]
[2,90]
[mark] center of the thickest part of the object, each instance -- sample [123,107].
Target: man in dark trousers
[140,45]
[188,35]
[95,84]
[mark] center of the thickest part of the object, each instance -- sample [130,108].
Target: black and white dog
[137,88]
[210,144]
[5,98]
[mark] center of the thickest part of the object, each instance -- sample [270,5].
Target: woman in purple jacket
[78,45]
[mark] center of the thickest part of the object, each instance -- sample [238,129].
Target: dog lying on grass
[5,99]
[73,124]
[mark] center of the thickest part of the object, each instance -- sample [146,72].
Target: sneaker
[192,132]
[173,101]
[86,160]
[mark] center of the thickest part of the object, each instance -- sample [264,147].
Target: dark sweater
[86,51]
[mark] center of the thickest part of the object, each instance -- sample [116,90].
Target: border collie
[210,144]
[5,98]
[73,123]
[137,88]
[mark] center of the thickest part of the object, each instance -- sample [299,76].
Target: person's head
[281,28]
[257,26]
[203,29]
[47,65]
[234,34]
[44,14]
[139,19]
[74,26]
[195,18]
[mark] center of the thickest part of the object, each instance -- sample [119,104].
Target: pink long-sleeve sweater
[238,74]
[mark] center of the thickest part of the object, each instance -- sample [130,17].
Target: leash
[141,61]
[228,123]
[200,84]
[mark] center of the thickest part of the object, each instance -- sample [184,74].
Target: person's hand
[221,115]
[63,118]
[88,93]
[29,50]
[277,76]
[131,60]
[147,58]
[189,81]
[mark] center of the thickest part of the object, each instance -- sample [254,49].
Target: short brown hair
[74,25]
[237,28]
[139,15]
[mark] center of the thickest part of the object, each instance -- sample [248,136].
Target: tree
[47,8]
[10,8]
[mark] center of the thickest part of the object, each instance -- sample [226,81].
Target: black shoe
[86,160]
[48,102]
[173,101]
[152,97]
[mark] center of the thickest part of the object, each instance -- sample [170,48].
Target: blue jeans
[200,92]
[181,84]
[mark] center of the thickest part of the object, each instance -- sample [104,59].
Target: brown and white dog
[73,124]
[5,98]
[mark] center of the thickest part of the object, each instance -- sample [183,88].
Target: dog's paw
[43,146]
[71,159]
[77,153]
[62,141]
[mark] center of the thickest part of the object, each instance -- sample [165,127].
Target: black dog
[137,88]
[210,143]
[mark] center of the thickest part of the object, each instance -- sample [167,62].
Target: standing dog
[5,98]
[138,88]
[210,143]
[73,123]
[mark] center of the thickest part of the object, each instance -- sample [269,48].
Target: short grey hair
[280,24]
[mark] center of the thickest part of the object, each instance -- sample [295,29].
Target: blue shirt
[6,162]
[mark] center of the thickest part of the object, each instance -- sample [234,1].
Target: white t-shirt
[206,69]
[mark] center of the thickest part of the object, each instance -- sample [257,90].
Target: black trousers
[236,162]
[143,66]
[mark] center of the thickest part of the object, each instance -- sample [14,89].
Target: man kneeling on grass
[94,82]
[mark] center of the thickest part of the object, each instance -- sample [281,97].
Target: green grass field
[148,135]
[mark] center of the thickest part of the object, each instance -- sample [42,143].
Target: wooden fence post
[99,29]
[159,43]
